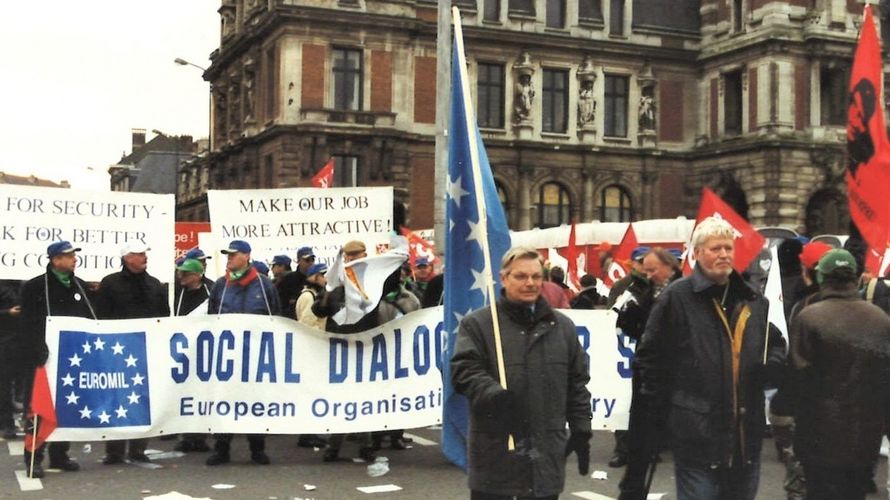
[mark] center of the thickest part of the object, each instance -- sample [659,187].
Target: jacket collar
[521,312]
[700,283]
[839,293]
[249,276]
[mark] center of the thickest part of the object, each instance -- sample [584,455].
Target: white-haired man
[705,357]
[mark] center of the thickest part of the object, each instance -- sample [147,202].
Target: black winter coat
[685,365]
[72,301]
[840,356]
[125,295]
[547,369]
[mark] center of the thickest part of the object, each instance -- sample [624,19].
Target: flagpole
[33,448]
[480,203]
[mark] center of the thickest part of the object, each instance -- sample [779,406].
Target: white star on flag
[104,418]
[133,398]
[475,232]
[118,348]
[121,412]
[72,398]
[100,345]
[456,191]
[87,348]
[75,360]
[131,361]
[86,412]
[68,380]
[479,283]
[137,379]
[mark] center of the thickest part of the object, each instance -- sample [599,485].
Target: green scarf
[63,277]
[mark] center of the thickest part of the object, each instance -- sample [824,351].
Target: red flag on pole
[868,158]
[621,261]
[418,247]
[748,242]
[325,177]
[41,406]
[572,257]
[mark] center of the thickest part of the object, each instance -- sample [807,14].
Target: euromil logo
[102,380]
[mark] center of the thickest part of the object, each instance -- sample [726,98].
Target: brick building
[613,110]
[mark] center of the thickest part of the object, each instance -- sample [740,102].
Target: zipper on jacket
[735,341]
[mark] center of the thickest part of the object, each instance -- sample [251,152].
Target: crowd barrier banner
[234,373]
[98,223]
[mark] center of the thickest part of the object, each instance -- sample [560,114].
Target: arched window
[505,201]
[615,205]
[554,205]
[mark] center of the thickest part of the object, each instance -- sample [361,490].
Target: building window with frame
[554,205]
[556,14]
[347,79]
[737,16]
[615,205]
[554,100]
[833,95]
[590,10]
[732,103]
[491,10]
[615,97]
[346,173]
[271,84]
[616,17]
[490,95]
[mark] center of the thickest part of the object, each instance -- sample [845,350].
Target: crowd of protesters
[706,354]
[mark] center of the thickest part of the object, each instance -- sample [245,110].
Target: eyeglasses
[521,277]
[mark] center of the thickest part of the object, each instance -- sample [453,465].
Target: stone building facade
[611,110]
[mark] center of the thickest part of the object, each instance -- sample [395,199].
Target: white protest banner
[98,223]
[283,220]
[117,379]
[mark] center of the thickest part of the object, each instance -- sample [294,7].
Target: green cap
[191,266]
[834,260]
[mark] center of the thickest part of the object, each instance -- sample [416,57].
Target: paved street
[420,472]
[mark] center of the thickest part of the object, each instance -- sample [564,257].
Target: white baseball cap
[134,246]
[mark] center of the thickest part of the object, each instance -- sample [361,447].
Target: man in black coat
[546,373]
[10,313]
[290,285]
[57,292]
[127,294]
[706,356]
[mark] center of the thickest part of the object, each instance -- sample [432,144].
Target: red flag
[325,177]
[621,261]
[42,406]
[868,158]
[748,242]
[572,256]
[418,247]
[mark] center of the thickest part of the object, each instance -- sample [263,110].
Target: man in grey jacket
[546,378]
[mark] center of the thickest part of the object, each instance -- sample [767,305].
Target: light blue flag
[466,288]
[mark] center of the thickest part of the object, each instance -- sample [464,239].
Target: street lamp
[182,62]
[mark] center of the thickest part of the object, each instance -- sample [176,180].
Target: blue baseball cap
[237,246]
[421,261]
[305,252]
[317,269]
[676,252]
[639,253]
[59,248]
[196,253]
[283,260]
[261,267]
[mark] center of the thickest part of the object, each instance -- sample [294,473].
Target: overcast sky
[78,76]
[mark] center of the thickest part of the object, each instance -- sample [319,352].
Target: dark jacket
[684,362]
[73,301]
[840,356]
[327,305]
[9,324]
[187,301]
[289,287]
[547,369]
[125,295]
[252,294]
[586,299]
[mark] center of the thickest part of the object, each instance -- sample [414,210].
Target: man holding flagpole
[546,374]
[57,292]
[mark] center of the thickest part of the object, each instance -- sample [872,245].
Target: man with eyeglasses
[546,374]
[290,285]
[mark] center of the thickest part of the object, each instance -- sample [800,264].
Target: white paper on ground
[383,488]
[589,495]
[655,496]
[600,474]
[16,448]
[223,486]
[175,495]
[26,483]
[419,440]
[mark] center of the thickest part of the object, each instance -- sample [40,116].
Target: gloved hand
[579,442]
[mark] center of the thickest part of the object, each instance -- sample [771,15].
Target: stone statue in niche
[586,104]
[228,22]
[525,95]
[647,112]
[249,78]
